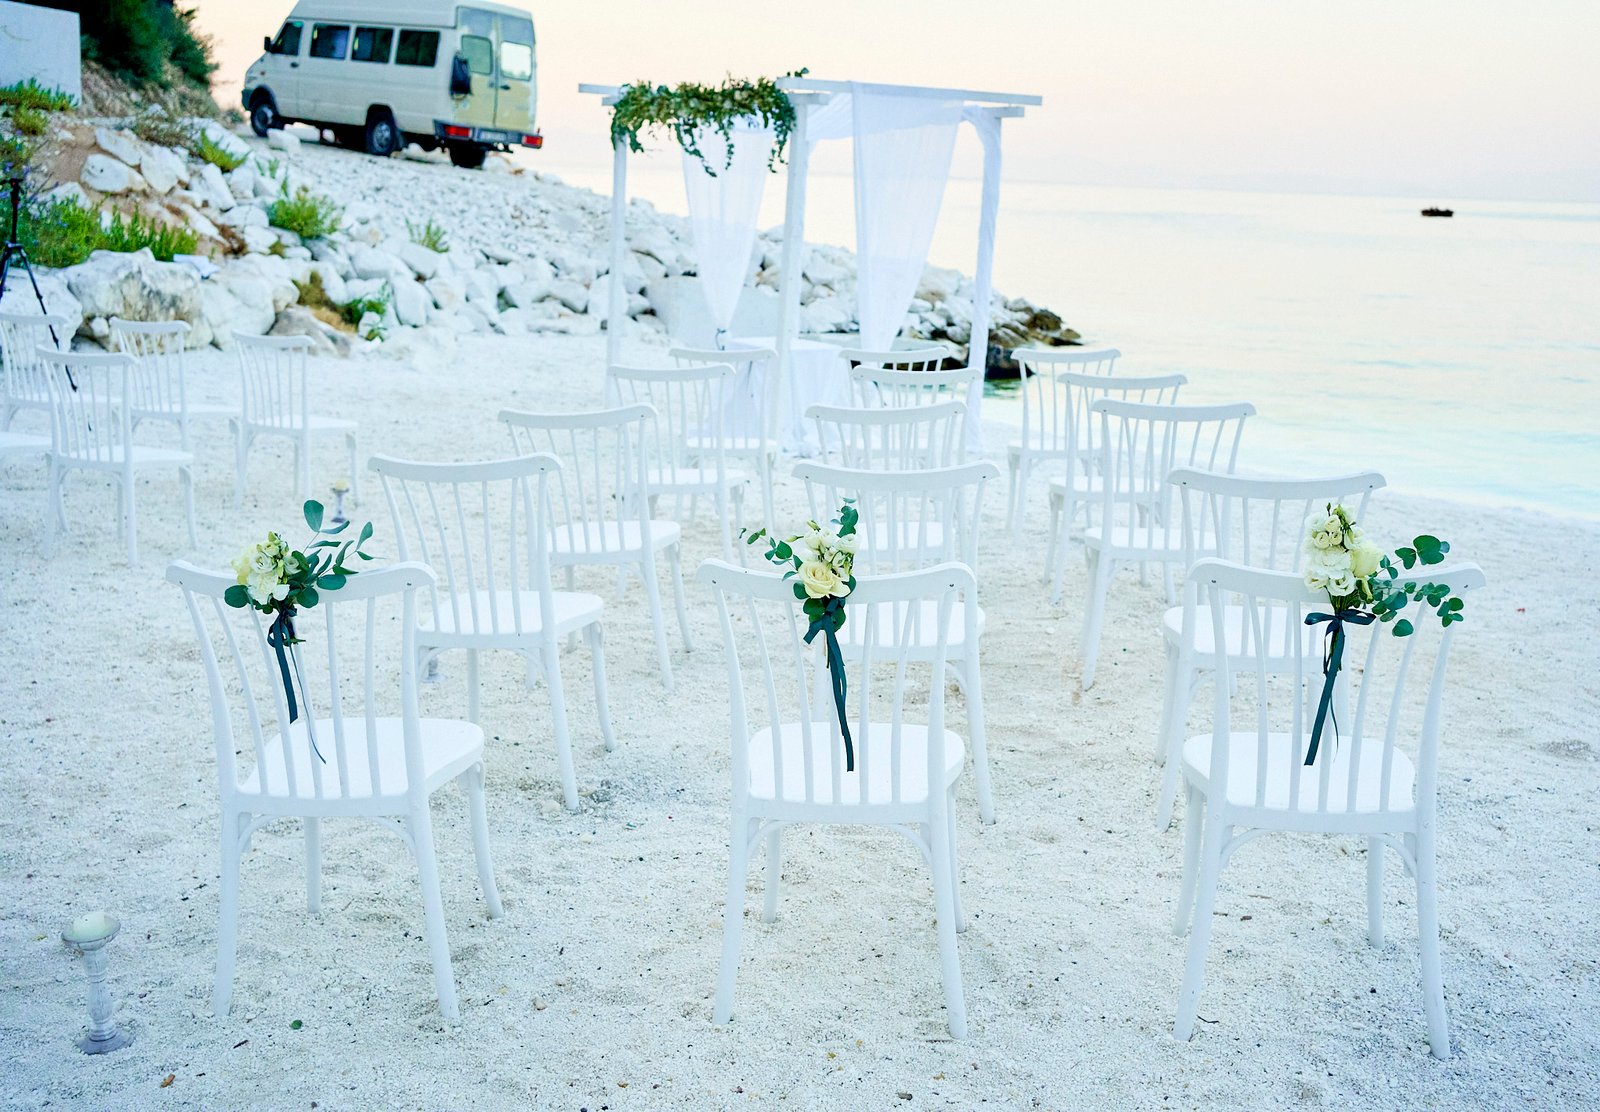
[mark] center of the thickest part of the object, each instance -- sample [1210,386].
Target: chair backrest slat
[907,439]
[157,347]
[750,402]
[1046,414]
[89,403]
[879,386]
[24,384]
[273,379]
[908,519]
[690,430]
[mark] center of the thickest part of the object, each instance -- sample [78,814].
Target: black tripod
[15,250]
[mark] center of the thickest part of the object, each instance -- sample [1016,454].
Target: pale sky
[1459,100]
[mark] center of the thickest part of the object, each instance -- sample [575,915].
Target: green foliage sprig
[687,107]
[29,121]
[63,233]
[218,155]
[428,234]
[276,579]
[31,94]
[309,215]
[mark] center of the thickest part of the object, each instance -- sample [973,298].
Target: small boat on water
[1438,212]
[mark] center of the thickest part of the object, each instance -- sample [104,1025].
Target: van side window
[288,40]
[329,40]
[416,48]
[372,44]
[479,53]
[516,49]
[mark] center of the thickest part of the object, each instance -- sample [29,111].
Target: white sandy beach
[613,915]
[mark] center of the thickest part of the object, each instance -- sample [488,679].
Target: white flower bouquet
[821,562]
[1365,586]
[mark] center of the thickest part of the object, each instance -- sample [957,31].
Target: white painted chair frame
[92,430]
[1046,420]
[1134,520]
[484,529]
[25,384]
[910,520]
[380,767]
[601,515]
[791,770]
[161,391]
[751,395]
[274,383]
[879,387]
[1364,782]
[1255,522]
[913,438]
[911,360]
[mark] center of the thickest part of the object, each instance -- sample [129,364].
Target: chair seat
[1242,754]
[923,631]
[666,480]
[494,615]
[143,455]
[449,747]
[313,423]
[1133,544]
[22,442]
[1235,627]
[734,445]
[1015,451]
[597,541]
[195,409]
[872,766]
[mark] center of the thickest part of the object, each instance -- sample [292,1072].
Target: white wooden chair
[274,377]
[601,515]
[1256,522]
[160,387]
[1070,493]
[373,756]
[877,386]
[91,430]
[1047,419]
[25,384]
[484,528]
[1134,520]
[788,758]
[911,520]
[1376,780]
[684,442]
[748,432]
[912,438]
[920,360]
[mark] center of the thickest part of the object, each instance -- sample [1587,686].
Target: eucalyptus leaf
[237,595]
[313,512]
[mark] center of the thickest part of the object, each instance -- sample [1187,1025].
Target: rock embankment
[524,252]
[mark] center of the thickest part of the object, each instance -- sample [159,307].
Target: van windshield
[288,40]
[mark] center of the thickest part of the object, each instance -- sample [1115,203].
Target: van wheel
[383,138]
[263,115]
[468,156]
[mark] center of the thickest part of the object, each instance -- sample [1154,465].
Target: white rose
[820,580]
[1364,558]
[267,588]
[1342,584]
[848,543]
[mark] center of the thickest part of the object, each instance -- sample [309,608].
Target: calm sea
[1460,357]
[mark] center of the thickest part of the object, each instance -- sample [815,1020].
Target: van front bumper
[462,133]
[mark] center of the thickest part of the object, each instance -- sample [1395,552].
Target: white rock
[121,145]
[244,216]
[219,135]
[650,267]
[448,291]
[242,182]
[525,295]
[570,294]
[195,220]
[281,140]
[332,284]
[134,286]
[69,191]
[369,262]
[266,188]
[209,184]
[259,240]
[424,262]
[826,314]
[58,298]
[481,287]
[369,323]
[580,269]
[232,303]
[656,242]
[331,253]
[411,303]
[107,175]
[162,169]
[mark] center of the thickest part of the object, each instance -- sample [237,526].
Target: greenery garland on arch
[687,107]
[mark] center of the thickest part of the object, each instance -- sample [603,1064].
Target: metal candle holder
[89,934]
[339,489]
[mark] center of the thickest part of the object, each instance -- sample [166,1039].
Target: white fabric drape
[723,211]
[987,125]
[902,159]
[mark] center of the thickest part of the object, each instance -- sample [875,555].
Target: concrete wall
[41,43]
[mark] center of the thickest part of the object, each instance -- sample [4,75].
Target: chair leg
[732,917]
[54,514]
[240,449]
[421,823]
[355,474]
[551,656]
[1194,811]
[1194,974]
[1011,496]
[1375,891]
[594,634]
[1428,932]
[471,782]
[1050,546]
[1058,550]
[955,889]
[474,689]
[313,866]
[768,465]
[975,727]
[944,901]
[1169,742]
[658,623]
[187,476]
[769,909]
[1094,613]
[675,559]
[228,913]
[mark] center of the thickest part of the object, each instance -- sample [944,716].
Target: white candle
[88,929]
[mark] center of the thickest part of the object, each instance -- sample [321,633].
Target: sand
[594,990]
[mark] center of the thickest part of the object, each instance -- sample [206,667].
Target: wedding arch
[903,136]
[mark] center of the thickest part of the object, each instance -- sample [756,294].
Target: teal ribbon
[281,636]
[1332,660]
[824,624]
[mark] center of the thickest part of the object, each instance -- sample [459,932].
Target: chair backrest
[777,680]
[1046,409]
[1387,698]
[910,439]
[350,678]
[158,385]
[484,530]
[689,402]
[21,337]
[1257,521]
[604,459]
[750,405]
[90,417]
[876,386]
[273,374]
[929,357]
[908,519]
[1140,445]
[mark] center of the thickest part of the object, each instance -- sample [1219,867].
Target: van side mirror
[460,77]
[266,44]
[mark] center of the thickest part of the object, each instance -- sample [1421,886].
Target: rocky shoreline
[526,252]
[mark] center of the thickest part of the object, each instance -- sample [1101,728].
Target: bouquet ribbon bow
[280,635]
[825,624]
[1332,660]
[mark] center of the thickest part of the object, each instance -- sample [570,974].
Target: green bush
[31,94]
[378,303]
[162,130]
[217,155]
[16,156]
[29,121]
[309,215]
[133,232]
[429,235]
[138,39]
[64,233]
